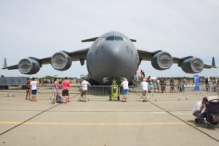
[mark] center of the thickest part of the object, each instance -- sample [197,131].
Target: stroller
[212,111]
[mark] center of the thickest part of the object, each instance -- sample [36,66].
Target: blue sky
[43,27]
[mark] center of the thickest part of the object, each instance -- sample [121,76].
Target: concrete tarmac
[99,122]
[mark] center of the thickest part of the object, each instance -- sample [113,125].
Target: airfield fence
[135,92]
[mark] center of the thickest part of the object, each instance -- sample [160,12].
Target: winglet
[213,63]
[5,63]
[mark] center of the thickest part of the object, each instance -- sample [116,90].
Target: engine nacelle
[192,65]
[61,61]
[162,61]
[28,66]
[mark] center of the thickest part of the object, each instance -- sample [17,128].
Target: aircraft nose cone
[115,55]
[117,61]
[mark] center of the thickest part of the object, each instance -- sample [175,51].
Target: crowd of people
[160,83]
[199,109]
[211,84]
[147,84]
[31,90]
[50,80]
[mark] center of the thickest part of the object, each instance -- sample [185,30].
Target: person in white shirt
[33,84]
[144,87]
[125,91]
[199,109]
[84,88]
[157,82]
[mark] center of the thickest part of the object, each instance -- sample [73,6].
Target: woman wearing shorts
[125,90]
[28,89]
[55,90]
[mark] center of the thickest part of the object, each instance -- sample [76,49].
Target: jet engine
[162,60]
[61,61]
[192,65]
[28,66]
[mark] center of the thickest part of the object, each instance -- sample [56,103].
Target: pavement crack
[185,122]
[182,120]
[29,119]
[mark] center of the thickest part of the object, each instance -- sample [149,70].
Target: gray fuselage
[112,55]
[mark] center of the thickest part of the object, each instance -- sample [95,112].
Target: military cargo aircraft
[111,56]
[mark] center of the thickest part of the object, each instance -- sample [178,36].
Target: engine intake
[28,66]
[61,61]
[192,65]
[162,61]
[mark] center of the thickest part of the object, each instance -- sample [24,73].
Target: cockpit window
[110,38]
[113,38]
[101,41]
[125,39]
[118,38]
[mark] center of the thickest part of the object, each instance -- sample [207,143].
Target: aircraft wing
[11,67]
[79,54]
[145,55]
[75,56]
[162,60]
[208,66]
[178,60]
[41,61]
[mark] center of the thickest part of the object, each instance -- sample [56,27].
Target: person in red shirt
[65,88]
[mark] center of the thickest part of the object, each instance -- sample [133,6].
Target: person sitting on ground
[199,110]
[55,89]
[144,87]
[59,99]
